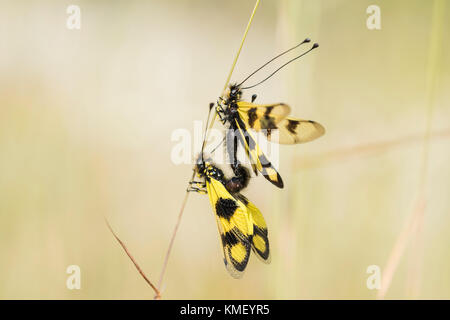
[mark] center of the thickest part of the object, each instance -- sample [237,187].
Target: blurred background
[86,118]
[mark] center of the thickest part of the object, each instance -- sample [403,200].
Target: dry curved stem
[169,250]
[124,247]
[183,205]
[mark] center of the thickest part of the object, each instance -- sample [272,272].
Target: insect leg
[220,113]
[195,189]
[199,184]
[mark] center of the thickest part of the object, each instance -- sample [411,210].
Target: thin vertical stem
[414,223]
[183,205]
[234,64]
[169,250]
[431,85]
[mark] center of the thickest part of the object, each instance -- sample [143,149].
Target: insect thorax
[233,95]
[212,171]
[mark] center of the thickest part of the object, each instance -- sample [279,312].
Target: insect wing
[293,131]
[261,117]
[257,157]
[235,227]
[260,239]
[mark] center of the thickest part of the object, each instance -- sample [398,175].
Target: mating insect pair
[240,223]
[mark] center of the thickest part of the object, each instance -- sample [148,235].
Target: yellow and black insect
[240,116]
[241,225]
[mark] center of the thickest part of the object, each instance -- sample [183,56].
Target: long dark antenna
[222,141]
[315,45]
[281,54]
[211,105]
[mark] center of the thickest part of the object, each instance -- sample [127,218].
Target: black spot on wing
[260,231]
[225,208]
[263,234]
[265,163]
[268,122]
[268,111]
[278,182]
[245,141]
[240,266]
[229,238]
[252,117]
[267,169]
[292,125]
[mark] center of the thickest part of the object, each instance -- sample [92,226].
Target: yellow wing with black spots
[293,131]
[235,227]
[260,239]
[262,116]
[257,158]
